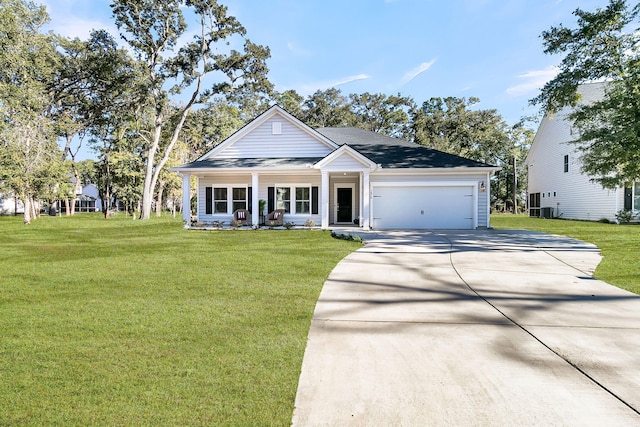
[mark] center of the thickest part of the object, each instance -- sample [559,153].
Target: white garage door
[426,207]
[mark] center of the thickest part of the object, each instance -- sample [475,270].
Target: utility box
[546,212]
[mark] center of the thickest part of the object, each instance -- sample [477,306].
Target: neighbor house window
[220,203]
[534,204]
[566,163]
[636,196]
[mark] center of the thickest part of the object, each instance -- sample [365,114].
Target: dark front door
[345,197]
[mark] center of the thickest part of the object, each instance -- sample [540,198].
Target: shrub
[624,216]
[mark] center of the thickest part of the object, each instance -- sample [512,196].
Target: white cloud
[533,80]
[69,24]
[297,50]
[310,88]
[415,72]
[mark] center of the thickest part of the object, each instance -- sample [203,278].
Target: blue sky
[490,49]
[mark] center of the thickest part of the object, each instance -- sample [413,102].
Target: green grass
[619,244]
[121,322]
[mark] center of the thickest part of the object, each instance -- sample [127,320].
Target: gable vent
[276,128]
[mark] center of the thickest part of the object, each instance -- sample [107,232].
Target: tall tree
[30,161]
[327,108]
[603,47]
[388,115]
[97,90]
[153,29]
[292,102]
[450,125]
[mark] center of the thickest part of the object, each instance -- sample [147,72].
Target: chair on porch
[275,218]
[241,216]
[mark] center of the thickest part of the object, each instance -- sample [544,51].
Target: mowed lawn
[122,322]
[619,244]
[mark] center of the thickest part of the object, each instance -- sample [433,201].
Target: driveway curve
[473,328]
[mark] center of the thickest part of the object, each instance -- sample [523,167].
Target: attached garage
[419,206]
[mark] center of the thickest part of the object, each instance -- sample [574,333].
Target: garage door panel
[427,207]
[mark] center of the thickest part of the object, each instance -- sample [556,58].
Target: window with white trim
[239,195]
[295,199]
[303,200]
[225,200]
[566,163]
[220,202]
[636,196]
[283,199]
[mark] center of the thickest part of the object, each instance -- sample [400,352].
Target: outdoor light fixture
[483,188]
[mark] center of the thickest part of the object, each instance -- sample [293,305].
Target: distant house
[87,200]
[556,185]
[9,205]
[336,176]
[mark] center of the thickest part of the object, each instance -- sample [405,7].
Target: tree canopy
[30,160]
[153,29]
[188,79]
[604,46]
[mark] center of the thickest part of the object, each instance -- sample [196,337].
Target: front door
[344,204]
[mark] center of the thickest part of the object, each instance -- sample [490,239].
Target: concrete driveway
[478,328]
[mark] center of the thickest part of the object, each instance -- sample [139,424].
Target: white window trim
[230,200]
[292,200]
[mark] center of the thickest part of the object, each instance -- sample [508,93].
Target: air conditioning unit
[546,212]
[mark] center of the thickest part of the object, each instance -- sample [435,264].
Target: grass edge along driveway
[619,244]
[121,322]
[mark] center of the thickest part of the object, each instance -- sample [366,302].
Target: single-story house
[557,187]
[336,176]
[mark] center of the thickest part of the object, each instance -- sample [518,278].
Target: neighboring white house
[9,205]
[336,176]
[556,185]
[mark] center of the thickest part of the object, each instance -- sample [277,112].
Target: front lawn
[619,244]
[121,322]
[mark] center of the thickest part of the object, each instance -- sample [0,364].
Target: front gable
[345,158]
[274,134]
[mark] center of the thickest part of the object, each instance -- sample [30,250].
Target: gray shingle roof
[391,153]
[300,162]
[394,153]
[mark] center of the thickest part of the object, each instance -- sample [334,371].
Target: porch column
[255,202]
[366,199]
[324,200]
[186,198]
[488,200]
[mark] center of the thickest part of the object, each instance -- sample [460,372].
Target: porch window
[239,198]
[303,200]
[283,199]
[220,202]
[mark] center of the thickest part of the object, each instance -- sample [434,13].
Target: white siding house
[336,176]
[9,205]
[556,185]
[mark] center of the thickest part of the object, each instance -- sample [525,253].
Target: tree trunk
[27,217]
[515,187]
[159,197]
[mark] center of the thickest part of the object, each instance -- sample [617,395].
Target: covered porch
[319,196]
